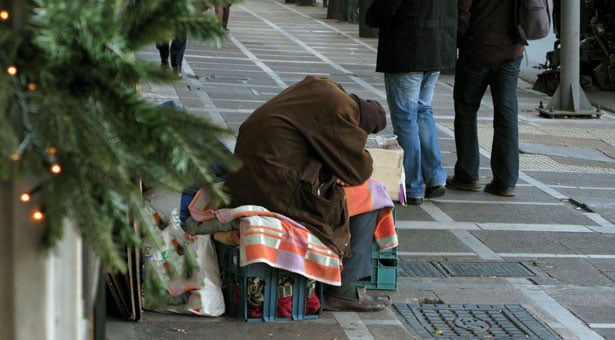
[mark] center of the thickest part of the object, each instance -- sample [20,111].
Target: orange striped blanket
[280,242]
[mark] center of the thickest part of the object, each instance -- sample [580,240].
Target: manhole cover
[419,269]
[473,322]
[512,269]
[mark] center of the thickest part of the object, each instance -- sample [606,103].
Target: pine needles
[77,79]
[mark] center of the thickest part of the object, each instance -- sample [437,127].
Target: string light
[31,86]
[11,70]
[27,196]
[4,15]
[38,215]
[21,148]
[55,168]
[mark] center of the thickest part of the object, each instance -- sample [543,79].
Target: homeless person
[298,151]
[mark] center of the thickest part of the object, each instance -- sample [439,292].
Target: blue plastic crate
[236,281]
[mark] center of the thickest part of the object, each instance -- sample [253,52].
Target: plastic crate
[384,270]
[384,267]
[236,285]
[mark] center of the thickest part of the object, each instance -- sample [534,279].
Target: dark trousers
[472,76]
[176,51]
[359,265]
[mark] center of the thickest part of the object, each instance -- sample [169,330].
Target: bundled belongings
[194,289]
[293,263]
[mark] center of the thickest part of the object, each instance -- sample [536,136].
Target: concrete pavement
[544,261]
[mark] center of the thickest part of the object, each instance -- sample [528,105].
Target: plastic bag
[197,292]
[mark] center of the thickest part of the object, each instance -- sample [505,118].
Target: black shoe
[415,200]
[454,183]
[435,191]
[494,189]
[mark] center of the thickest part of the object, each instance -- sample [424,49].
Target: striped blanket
[280,242]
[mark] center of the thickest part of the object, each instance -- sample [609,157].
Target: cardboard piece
[389,169]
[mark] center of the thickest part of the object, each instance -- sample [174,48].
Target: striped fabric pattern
[283,243]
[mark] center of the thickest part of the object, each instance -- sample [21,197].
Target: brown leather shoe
[456,184]
[494,189]
[364,302]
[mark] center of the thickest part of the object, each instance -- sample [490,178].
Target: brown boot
[363,302]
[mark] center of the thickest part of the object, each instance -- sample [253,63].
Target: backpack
[533,19]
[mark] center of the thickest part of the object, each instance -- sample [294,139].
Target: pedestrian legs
[471,80]
[178,46]
[409,98]
[163,50]
[505,147]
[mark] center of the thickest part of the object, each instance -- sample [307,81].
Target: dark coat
[486,29]
[414,35]
[293,149]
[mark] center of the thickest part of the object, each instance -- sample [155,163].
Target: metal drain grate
[470,322]
[419,269]
[505,269]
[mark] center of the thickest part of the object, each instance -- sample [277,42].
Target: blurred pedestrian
[175,51]
[222,12]
[416,39]
[490,54]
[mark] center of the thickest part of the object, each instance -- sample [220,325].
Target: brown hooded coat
[293,149]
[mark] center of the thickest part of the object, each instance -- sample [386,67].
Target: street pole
[569,99]
[7,282]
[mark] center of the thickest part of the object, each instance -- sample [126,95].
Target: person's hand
[340,182]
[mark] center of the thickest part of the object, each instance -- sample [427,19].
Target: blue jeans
[409,98]
[472,76]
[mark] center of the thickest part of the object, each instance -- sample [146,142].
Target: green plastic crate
[384,267]
[384,270]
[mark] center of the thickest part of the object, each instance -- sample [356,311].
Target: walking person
[416,40]
[223,12]
[175,51]
[490,54]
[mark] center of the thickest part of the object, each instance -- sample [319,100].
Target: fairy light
[38,215]
[31,86]
[4,15]
[25,197]
[55,168]
[11,70]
